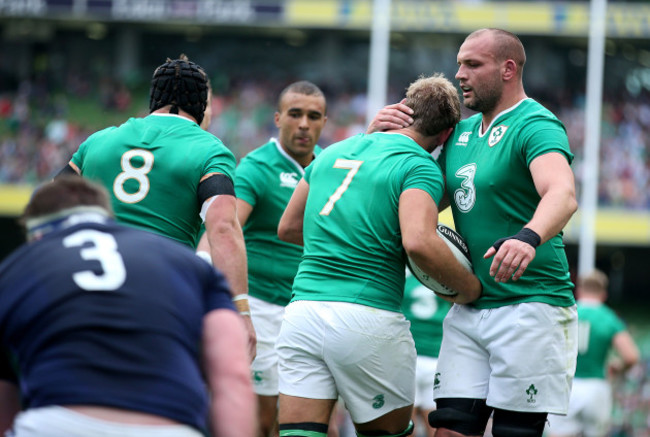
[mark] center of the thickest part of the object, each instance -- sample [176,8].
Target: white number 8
[137,173]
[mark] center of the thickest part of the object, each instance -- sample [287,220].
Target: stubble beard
[486,100]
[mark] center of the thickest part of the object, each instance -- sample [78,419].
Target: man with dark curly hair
[166,174]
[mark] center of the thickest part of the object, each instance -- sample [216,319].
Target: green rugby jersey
[353,246]
[265,179]
[151,167]
[597,326]
[492,196]
[425,311]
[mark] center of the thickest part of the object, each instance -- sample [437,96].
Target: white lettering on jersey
[288,179]
[463,139]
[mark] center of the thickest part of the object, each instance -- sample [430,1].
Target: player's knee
[406,432]
[465,416]
[518,424]
[303,429]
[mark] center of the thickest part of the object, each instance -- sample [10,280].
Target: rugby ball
[458,248]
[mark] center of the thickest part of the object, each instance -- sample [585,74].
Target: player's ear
[509,69]
[444,135]
[276,119]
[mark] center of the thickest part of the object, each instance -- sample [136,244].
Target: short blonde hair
[595,281]
[435,104]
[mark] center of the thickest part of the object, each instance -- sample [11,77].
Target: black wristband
[526,235]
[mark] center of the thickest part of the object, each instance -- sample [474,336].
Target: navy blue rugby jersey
[102,314]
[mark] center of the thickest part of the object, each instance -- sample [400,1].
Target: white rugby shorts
[519,357]
[57,421]
[590,410]
[267,319]
[425,374]
[365,355]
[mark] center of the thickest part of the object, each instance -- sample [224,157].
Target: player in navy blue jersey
[109,330]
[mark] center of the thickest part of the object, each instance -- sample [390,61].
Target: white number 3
[104,250]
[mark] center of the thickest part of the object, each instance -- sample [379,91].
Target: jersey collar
[39,226]
[287,156]
[495,119]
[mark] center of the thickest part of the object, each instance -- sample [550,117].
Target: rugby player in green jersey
[265,180]
[512,191]
[360,205]
[167,175]
[600,331]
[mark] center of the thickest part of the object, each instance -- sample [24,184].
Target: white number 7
[347,164]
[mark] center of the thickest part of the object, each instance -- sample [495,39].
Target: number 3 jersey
[152,167]
[353,244]
[492,195]
[103,314]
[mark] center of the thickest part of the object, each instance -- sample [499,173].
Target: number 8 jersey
[152,167]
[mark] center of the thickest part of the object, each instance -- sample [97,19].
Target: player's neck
[428,143]
[507,101]
[181,113]
[302,160]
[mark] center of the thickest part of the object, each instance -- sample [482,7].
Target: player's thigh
[267,411]
[296,409]
[302,371]
[395,423]
[267,321]
[463,369]
[372,356]
[533,350]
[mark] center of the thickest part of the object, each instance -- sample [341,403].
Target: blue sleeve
[217,292]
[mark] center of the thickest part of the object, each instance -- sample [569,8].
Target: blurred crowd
[631,412]
[38,135]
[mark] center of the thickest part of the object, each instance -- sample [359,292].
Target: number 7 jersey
[353,244]
[492,195]
[151,167]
